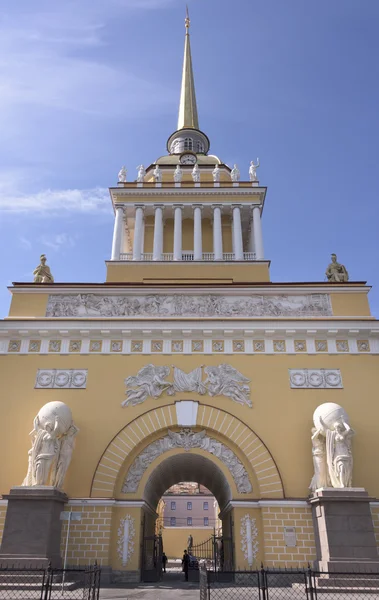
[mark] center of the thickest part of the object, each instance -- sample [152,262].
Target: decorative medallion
[363,346]
[238,346]
[187,439]
[217,346]
[14,346]
[61,378]
[279,346]
[116,345]
[315,378]
[321,345]
[34,346]
[151,381]
[136,346]
[95,345]
[157,346]
[55,345]
[197,345]
[75,345]
[300,346]
[176,346]
[259,345]
[342,346]
[125,542]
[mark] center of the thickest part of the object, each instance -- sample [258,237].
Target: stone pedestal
[344,531]
[32,531]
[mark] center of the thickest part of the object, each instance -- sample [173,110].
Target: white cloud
[25,243]
[58,241]
[53,202]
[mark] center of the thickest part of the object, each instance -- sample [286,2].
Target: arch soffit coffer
[140,432]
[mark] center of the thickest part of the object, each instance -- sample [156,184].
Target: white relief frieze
[249,539]
[187,439]
[179,305]
[61,378]
[315,378]
[151,381]
[125,542]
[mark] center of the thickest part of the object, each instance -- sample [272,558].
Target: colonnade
[254,245]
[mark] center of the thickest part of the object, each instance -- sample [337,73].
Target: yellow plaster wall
[29,305]
[3,510]
[182,272]
[89,538]
[346,305]
[279,413]
[276,553]
[175,539]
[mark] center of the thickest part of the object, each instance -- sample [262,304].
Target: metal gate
[216,553]
[152,558]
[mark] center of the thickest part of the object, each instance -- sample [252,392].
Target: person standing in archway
[164,562]
[185,564]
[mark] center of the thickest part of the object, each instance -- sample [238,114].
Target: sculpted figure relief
[157,174]
[223,380]
[189,305]
[235,174]
[216,174]
[332,451]
[253,170]
[122,174]
[178,174]
[141,174]
[187,439]
[336,272]
[42,273]
[196,174]
[53,440]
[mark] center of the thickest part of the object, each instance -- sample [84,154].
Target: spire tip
[187,20]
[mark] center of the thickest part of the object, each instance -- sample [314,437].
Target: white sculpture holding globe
[331,447]
[53,440]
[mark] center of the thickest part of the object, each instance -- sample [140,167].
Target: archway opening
[193,524]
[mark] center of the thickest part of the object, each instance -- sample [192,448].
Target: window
[189,505]
[206,521]
[188,144]
[205,505]
[173,505]
[189,520]
[200,147]
[172,521]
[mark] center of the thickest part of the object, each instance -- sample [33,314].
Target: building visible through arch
[188,364]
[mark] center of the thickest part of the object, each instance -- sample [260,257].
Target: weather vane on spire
[187,19]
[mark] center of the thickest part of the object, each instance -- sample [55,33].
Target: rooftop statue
[253,170]
[42,273]
[122,175]
[235,174]
[336,272]
[216,174]
[157,174]
[196,174]
[141,174]
[178,174]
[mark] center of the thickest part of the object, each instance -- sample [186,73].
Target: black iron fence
[82,583]
[278,584]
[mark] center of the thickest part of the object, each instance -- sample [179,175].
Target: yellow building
[189,364]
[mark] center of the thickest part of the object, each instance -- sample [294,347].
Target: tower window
[200,147]
[188,144]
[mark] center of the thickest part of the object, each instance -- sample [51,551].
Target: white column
[117,233]
[249,542]
[178,208]
[237,232]
[197,233]
[138,230]
[143,236]
[158,232]
[259,253]
[217,232]
[251,246]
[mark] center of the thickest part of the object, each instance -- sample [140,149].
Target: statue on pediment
[42,273]
[336,272]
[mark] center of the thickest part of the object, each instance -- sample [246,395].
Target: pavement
[170,587]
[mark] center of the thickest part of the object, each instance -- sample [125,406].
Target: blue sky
[88,86]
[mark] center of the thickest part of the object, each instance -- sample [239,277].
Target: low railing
[280,584]
[188,256]
[81,583]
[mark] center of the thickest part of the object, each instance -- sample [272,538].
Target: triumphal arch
[190,364]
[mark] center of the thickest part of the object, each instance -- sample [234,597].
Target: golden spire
[187,108]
